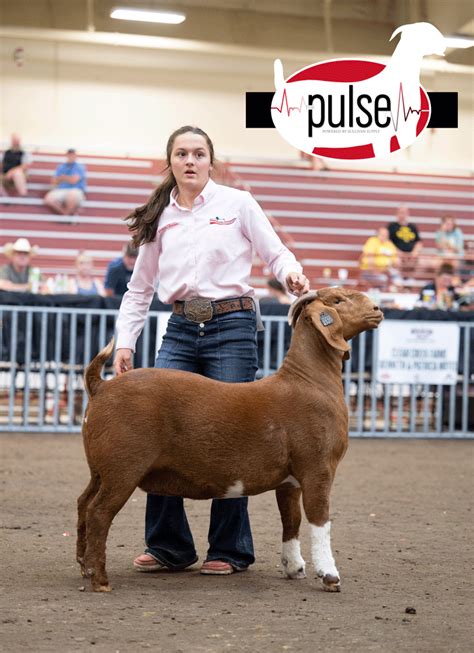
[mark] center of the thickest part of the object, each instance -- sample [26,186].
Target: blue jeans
[225,349]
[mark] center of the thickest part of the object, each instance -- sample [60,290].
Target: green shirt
[9,273]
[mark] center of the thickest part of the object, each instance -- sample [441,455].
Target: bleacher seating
[329,214]
[115,186]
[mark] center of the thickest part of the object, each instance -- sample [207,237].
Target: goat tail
[92,377]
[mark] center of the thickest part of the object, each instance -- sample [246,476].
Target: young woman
[84,283]
[197,237]
[449,238]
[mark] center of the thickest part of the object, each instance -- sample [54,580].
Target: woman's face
[448,224]
[190,161]
[84,266]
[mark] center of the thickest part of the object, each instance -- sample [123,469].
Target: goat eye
[337,301]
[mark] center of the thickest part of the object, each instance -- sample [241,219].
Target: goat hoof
[331,583]
[102,588]
[292,570]
[299,574]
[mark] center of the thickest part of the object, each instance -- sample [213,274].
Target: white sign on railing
[418,352]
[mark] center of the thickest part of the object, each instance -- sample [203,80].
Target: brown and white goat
[160,430]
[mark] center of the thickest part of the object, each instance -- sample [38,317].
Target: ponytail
[143,221]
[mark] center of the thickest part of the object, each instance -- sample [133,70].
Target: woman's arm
[137,299]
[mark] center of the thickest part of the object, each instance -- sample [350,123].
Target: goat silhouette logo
[358,109]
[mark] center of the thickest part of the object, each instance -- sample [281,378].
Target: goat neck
[310,357]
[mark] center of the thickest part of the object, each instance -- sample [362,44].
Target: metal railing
[44,350]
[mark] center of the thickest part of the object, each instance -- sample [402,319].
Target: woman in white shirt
[197,237]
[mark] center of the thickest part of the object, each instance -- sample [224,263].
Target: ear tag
[326,319]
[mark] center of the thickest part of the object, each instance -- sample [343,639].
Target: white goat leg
[323,559]
[291,559]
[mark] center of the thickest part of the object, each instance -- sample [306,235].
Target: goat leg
[82,505]
[102,509]
[288,499]
[316,506]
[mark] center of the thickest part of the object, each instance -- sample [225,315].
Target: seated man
[15,165]
[404,235]
[70,186]
[16,275]
[441,293]
[119,274]
[379,260]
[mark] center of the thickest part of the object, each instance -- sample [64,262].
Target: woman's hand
[123,361]
[297,283]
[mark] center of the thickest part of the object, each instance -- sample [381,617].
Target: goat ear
[329,324]
[298,305]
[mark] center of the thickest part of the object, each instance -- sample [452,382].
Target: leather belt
[199,309]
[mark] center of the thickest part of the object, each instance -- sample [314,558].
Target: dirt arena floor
[402,526]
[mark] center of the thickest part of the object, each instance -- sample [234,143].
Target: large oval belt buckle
[198,309]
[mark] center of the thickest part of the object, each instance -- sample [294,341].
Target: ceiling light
[148,16]
[458,41]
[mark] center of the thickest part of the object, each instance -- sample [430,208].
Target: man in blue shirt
[69,183]
[119,272]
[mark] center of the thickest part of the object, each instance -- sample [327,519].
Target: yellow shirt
[384,254]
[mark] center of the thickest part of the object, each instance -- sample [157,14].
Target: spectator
[17,274]
[15,165]
[441,292]
[69,181]
[277,292]
[449,238]
[404,235]
[379,260]
[84,283]
[119,275]
[113,263]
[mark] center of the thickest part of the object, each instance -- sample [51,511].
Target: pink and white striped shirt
[205,251]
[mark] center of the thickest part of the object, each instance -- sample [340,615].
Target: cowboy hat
[20,245]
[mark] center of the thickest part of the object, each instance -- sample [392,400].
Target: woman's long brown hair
[143,221]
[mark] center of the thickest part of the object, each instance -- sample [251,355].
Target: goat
[160,430]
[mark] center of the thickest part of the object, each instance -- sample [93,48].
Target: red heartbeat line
[401,98]
[284,100]
[405,113]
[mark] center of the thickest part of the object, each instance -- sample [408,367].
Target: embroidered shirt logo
[222,221]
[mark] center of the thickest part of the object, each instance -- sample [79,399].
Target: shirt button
[202,325]
[201,333]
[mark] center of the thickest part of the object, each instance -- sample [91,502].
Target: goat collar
[297,305]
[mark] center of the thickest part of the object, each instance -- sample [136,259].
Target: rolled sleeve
[258,229]
[137,299]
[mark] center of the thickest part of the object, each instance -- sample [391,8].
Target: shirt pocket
[222,237]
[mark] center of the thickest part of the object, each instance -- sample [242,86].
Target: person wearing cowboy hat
[15,275]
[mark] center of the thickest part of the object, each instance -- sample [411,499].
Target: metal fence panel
[44,351]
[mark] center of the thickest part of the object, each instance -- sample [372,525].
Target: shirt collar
[203,197]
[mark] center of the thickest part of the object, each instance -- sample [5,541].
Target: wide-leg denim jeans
[225,349]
